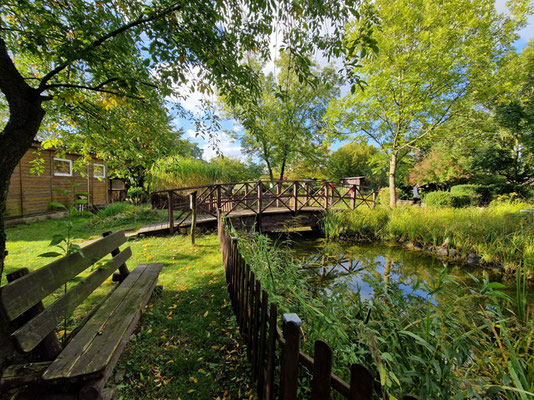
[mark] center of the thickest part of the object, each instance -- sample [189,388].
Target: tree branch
[139,21]
[94,89]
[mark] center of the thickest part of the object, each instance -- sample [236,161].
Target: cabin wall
[30,194]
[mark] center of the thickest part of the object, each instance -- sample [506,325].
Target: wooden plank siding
[29,194]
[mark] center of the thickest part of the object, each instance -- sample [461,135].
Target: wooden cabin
[30,193]
[359,181]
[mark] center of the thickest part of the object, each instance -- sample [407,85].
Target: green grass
[187,343]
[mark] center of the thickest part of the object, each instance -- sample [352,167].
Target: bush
[447,199]
[473,191]
[383,195]
[114,209]
[137,195]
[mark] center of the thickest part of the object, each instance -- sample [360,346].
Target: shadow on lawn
[187,344]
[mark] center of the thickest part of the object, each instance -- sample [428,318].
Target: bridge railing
[259,197]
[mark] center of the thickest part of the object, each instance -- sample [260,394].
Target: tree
[128,134]
[491,140]
[433,56]
[286,123]
[353,159]
[52,53]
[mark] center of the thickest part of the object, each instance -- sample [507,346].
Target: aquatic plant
[452,345]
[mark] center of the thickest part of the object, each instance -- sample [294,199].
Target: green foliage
[137,195]
[118,215]
[174,172]
[447,199]
[114,209]
[284,125]
[354,159]
[498,234]
[473,191]
[383,197]
[427,67]
[436,349]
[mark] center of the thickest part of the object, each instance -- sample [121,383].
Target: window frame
[62,173]
[103,170]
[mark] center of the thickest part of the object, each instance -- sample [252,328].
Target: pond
[352,264]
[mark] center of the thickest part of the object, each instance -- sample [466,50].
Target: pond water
[351,264]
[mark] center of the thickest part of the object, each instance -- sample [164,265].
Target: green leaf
[56,204]
[56,239]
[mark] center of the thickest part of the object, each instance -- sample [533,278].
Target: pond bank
[497,237]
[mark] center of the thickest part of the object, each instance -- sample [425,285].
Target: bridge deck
[209,219]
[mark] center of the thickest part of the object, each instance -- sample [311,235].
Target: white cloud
[226,145]
[191,133]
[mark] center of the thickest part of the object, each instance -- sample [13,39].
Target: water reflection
[330,266]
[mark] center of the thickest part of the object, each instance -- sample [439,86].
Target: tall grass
[498,234]
[455,345]
[173,172]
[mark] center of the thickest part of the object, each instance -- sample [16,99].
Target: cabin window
[62,167]
[99,171]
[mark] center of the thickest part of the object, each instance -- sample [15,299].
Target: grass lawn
[186,346]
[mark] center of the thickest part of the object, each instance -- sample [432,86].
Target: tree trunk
[282,170]
[25,116]
[392,187]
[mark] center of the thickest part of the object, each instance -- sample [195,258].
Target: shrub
[473,191]
[114,209]
[137,195]
[446,199]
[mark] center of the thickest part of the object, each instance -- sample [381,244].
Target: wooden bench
[80,369]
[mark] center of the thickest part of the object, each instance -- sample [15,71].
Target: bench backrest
[24,293]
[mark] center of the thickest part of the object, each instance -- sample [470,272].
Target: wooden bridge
[268,205]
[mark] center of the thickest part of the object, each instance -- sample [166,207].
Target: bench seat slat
[20,295]
[91,350]
[35,330]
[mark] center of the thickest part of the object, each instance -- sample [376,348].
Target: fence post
[290,357]
[170,197]
[219,197]
[326,185]
[322,370]
[361,383]
[353,198]
[295,196]
[260,360]
[193,206]
[271,357]
[278,192]
[374,198]
[260,199]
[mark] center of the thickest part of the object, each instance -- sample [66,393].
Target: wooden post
[170,198]
[193,206]
[123,269]
[278,192]
[322,370]
[271,357]
[260,199]
[290,358]
[374,198]
[353,198]
[361,383]
[326,185]
[219,197]
[307,203]
[260,360]
[295,196]
[49,347]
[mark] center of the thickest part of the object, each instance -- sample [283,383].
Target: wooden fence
[274,353]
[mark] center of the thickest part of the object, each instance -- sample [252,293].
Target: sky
[231,148]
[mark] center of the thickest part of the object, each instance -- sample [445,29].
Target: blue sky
[230,148]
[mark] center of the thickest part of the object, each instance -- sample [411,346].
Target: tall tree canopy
[433,56]
[285,124]
[53,53]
